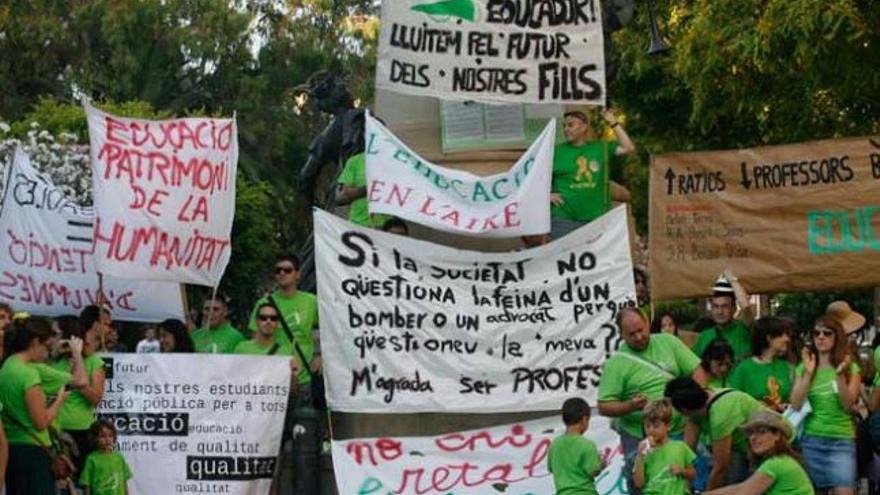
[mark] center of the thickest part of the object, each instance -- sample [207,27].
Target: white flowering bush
[60,157]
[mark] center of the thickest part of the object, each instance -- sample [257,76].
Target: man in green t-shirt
[581,190]
[217,336]
[726,294]
[351,189]
[574,460]
[721,413]
[638,373]
[299,310]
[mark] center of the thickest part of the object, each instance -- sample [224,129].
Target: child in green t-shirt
[573,459]
[105,471]
[662,466]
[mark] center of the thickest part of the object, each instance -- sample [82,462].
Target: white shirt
[147,346]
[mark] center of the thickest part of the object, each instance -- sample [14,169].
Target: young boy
[573,459]
[662,466]
[105,472]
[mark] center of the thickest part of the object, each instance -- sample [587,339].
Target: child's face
[656,429]
[106,440]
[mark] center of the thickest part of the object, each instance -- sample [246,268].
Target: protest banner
[197,423]
[509,459]
[47,268]
[510,204]
[164,196]
[514,51]
[790,218]
[410,326]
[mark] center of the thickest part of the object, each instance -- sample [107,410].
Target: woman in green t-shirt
[717,361]
[24,385]
[829,378]
[78,413]
[779,470]
[767,376]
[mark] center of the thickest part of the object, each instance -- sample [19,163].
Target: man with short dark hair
[726,294]
[217,335]
[99,319]
[720,413]
[636,374]
[299,309]
[581,190]
[574,460]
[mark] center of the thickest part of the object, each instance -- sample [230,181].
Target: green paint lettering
[832,232]
[370,142]
[480,193]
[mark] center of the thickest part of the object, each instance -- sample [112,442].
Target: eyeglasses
[284,269]
[268,317]
[824,332]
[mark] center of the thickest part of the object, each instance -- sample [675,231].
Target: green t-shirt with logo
[354,174]
[253,347]
[220,340]
[625,374]
[737,335]
[769,382]
[301,314]
[581,177]
[77,413]
[728,413]
[829,419]
[105,474]
[789,477]
[574,461]
[659,480]
[16,378]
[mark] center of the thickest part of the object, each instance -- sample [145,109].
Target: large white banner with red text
[411,326]
[164,196]
[509,459]
[46,263]
[510,204]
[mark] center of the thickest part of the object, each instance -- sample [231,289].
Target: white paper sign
[197,423]
[514,203]
[509,459]
[46,266]
[164,196]
[540,51]
[410,326]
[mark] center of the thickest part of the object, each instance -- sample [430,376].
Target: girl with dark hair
[24,386]
[778,467]
[174,337]
[717,361]
[767,375]
[829,377]
[665,322]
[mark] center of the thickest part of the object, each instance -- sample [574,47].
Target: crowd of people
[750,408]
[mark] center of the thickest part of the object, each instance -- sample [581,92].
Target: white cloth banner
[197,423]
[164,196]
[510,204]
[47,267]
[410,326]
[509,459]
[538,51]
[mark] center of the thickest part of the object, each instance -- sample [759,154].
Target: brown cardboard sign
[784,218]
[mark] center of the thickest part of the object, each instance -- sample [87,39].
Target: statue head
[330,96]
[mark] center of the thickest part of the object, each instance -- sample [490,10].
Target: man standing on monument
[637,374]
[727,293]
[581,190]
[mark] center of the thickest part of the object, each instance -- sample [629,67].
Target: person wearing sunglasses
[264,343]
[299,310]
[779,468]
[829,377]
[217,335]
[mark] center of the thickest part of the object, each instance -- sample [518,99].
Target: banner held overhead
[47,267]
[164,196]
[537,51]
[799,217]
[410,326]
[510,204]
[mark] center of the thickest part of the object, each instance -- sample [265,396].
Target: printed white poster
[541,51]
[197,423]
[509,459]
[510,204]
[47,267]
[410,326]
[164,196]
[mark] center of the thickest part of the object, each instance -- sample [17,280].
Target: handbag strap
[273,349]
[716,397]
[289,333]
[27,430]
[649,364]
